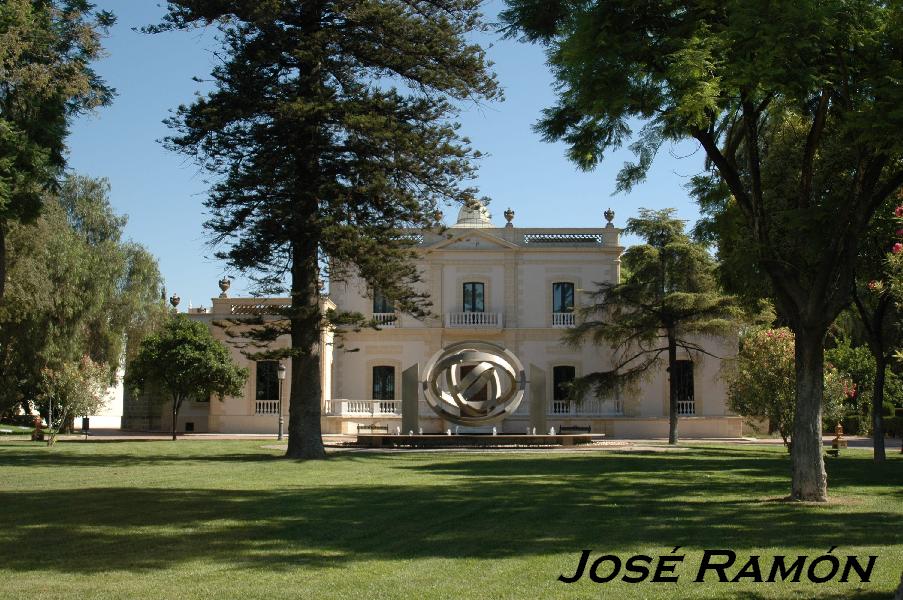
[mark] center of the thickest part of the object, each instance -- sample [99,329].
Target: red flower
[899,211]
[898,248]
[900,233]
[872,285]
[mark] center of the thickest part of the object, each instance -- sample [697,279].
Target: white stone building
[514,287]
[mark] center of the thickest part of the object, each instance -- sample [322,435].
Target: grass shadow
[461,506]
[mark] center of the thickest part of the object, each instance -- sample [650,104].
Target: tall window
[383,383]
[473,297]
[683,373]
[561,377]
[381,304]
[267,387]
[562,297]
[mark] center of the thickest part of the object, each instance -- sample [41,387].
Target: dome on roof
[473,216]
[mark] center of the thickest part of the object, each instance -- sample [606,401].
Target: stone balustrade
[365,408]
[474,320]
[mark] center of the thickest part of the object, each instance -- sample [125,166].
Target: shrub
[852,425]
[762,382]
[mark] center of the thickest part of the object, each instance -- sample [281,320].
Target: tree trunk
[672,387]
[305,439]
[874,325]
[810,482]
[2,259]
[175,417]
[51,440]
[877,407]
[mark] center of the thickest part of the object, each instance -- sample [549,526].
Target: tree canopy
[668,301]
[77,388]
[184,361]
[797,107]
[46,48]
[76,289]
[328,132]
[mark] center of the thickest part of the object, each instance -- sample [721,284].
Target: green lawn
[230,519]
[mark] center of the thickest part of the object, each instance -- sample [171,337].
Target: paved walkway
[333,440]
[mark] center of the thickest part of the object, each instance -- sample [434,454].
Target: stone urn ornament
[224,285]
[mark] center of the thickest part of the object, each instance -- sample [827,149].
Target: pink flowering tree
[762,383]
[879,315]
[895,262]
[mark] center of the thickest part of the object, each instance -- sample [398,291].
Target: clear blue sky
[163,193]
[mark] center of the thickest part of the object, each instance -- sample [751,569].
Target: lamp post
[280,374]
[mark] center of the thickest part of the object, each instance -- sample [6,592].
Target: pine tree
[669,299]
[327,133]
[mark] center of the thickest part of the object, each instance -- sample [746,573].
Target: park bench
[373,428]
[575,429]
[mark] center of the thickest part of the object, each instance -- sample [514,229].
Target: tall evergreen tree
[797,108]
[46,47]
[327,132]
[669,299]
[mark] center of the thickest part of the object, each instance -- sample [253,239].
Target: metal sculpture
[474,383]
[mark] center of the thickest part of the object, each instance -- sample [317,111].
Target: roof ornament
[224,285]
[609,216]
[509,216]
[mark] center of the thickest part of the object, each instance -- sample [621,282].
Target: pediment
[473,239]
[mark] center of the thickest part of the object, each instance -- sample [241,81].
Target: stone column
[410,397]
[538,405]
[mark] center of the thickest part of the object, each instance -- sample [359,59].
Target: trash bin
[85,423]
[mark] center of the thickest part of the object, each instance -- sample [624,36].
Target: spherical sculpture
[474,383]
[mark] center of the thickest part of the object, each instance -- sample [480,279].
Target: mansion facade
[516,288]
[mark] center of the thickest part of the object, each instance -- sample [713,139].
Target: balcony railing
[473,320]
[266,407]
[257,306]
[686,407]
[363,408]
[589,407]
[385,319]
[563,319]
